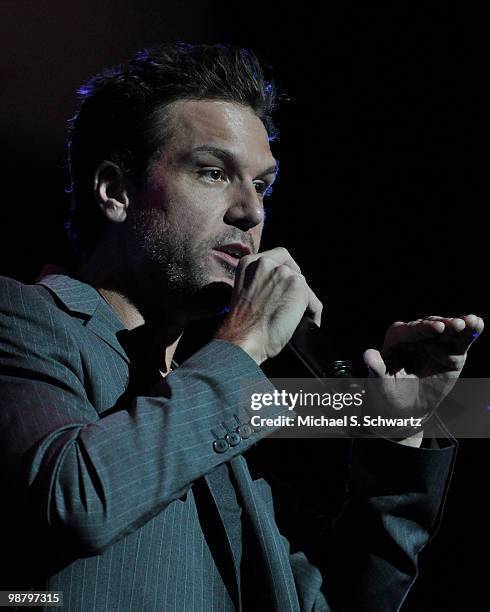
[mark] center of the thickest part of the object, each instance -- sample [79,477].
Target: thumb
[374,362]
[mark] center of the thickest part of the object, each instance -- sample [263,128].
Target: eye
[213,174]
[263,189]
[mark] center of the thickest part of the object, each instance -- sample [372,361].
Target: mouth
[232,253]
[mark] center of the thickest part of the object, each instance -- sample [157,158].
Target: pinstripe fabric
[101,503]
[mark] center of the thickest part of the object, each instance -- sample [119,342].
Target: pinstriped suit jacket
[104,485]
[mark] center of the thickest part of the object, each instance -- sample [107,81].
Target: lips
[237,250]
[233,261]
[232,253]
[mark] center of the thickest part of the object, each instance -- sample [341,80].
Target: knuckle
[265,263]
[282,251]
[283,271]
[297,279]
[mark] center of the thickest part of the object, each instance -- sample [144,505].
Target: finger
[314,308]
[471,321]
[414,331]
[268,260]
[452,324]
[374,362]
[475,324]
[281,256]
[461,331]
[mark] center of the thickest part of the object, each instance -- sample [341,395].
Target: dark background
[380,197]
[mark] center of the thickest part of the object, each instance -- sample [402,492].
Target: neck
[161,335]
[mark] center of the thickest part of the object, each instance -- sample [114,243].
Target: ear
[111,193]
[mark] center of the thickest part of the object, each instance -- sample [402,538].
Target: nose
[246,209]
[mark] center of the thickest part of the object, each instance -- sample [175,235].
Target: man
[128,488]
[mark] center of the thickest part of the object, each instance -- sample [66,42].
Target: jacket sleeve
[86,480]
[366,559]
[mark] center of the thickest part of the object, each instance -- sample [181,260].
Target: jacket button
[233,438]
[245,431]
[221,445]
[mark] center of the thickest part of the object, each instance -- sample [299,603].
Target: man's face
[204,193]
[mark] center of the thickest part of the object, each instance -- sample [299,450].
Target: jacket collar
[79,298]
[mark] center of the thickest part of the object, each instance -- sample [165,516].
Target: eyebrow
[227,156]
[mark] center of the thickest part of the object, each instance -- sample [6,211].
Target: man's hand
[421,361]
[269,298]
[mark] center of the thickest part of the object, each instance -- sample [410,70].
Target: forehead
[195,123]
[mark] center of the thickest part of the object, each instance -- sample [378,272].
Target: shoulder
[26,301]
[27,312]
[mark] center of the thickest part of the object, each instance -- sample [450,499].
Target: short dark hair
[118,115]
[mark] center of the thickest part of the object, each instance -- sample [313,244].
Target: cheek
[201,213]
[192,211]
[191,226]
[147,221]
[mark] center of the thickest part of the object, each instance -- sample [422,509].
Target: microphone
[315,350]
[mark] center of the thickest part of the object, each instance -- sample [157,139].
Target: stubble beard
[169,274]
